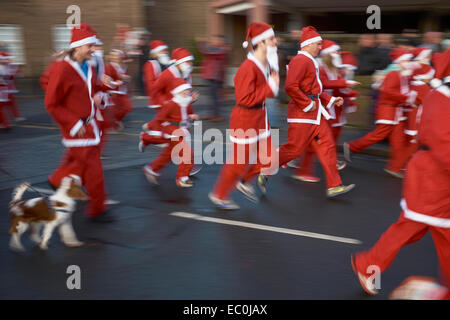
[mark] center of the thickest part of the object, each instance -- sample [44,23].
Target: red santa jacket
[115,72]
[303,85]
[69,100]
[173,119]
[426,188]
[151,71]
[394,92]
[334,84]
[248,120]
[162,85]
[415,111]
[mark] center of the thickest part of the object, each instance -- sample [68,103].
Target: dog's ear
[75,191]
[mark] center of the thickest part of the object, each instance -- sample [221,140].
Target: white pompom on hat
[257,32]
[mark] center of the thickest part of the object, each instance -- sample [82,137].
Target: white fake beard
[272,58]
[164,59]
[99,53]
[182,101]
[186,69]
[336,60]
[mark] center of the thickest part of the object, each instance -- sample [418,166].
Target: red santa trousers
[402,233]
[307,163]
[320,138]
[4,119]
[245,162]
[122,106]
[397,156]
[84,162]
[184,155]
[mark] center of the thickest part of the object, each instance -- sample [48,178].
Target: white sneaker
[223,204]
[394,174]
[150,175]
[248,191]
[195,170]
[141,146]
[185,183]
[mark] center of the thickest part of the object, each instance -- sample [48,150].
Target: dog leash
[29,186]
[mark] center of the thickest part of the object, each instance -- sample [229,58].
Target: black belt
[256,106]
[424,147]
[313,96]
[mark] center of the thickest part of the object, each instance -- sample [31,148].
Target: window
[61,37]
[11,41]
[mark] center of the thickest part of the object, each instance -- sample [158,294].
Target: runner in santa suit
[255,81]
[334,83]
[419,83]
[159,62]
[175,118]
[308,112]
[12,71]
[394,93]
[180,69]
[71,100]
[426,190]
[118,72]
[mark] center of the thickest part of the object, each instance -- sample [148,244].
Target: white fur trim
[435,83]
[446,79]
[158,49]
[154,133]
[444,90]
[309,107]
[188,58]
[154,106]
[309,41]
[273,86]
[251,140]
[403,57]
[427,76]
[76,128]
[181,88]
[84,142]
[411,132]
[84,41]
[331,102]
[382,121]
[266,34]
[422,54]
[333,48]
[424,218]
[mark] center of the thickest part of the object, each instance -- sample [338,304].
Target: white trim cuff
[76,128]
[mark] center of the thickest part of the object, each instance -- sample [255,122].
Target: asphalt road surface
[170,243]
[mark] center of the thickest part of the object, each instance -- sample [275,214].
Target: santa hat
[157,46]
[425,72]
[257,32]
[5,56]
[309,35]
[420,53]
[329,46]
[180,55]
[179,85]
[98,42]
[398,55]
[348,60]
[82,34]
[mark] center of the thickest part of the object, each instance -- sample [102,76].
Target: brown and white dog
[52,212]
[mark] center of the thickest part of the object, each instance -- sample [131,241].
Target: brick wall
[38,17]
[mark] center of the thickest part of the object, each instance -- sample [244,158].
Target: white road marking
[265,227]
